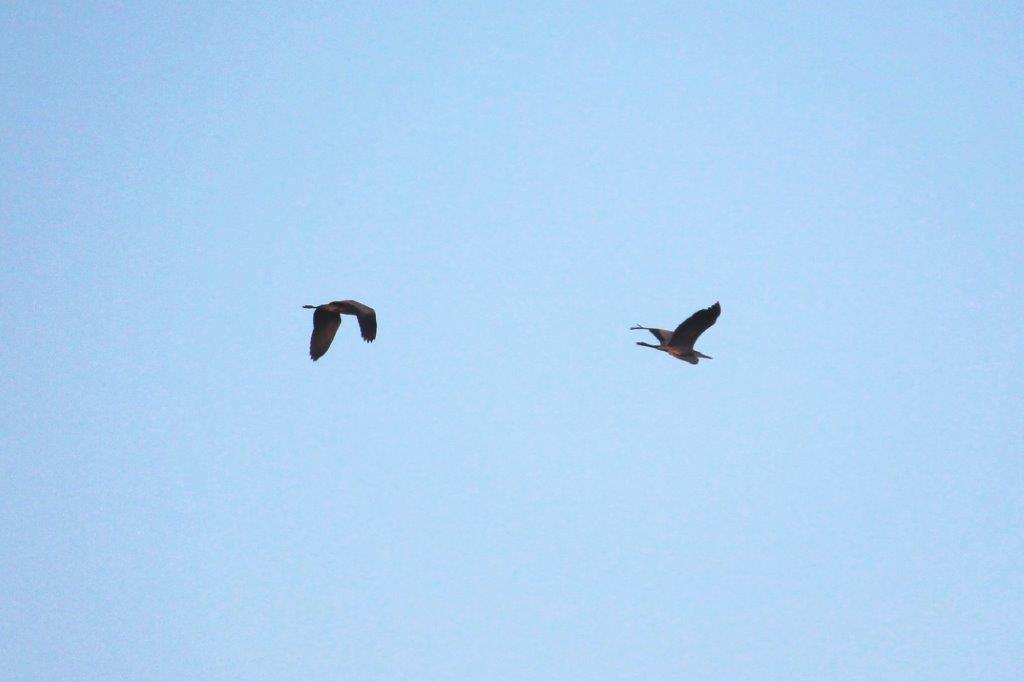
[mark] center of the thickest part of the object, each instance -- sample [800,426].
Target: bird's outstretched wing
[662,335]
[687,333]
[325,326]
[367,317]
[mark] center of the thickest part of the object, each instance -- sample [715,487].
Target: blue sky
[503,486]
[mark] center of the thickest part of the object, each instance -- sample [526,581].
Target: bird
[327,319]
[679,344]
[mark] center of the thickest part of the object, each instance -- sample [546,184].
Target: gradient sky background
[503,486]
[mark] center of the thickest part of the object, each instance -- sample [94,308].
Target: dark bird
[679,344]
[327,319]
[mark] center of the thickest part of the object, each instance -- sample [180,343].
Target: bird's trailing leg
[649,345]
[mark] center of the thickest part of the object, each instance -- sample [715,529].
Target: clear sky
[503,486]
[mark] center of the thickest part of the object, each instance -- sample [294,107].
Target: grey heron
[327,319]
[679,344]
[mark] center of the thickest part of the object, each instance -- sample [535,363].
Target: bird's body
[679,344]
[327,319]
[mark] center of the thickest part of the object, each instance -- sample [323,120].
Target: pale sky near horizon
[504,486]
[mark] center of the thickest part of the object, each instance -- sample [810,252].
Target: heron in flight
[327,319]
[679,344]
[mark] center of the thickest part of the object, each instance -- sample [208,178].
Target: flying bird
[327,319]
[679,344]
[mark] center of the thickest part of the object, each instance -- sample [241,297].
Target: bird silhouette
[679,344]
[327,319]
